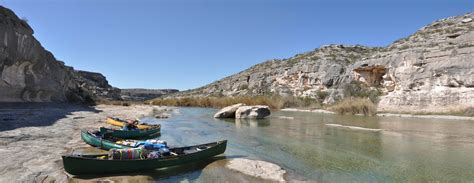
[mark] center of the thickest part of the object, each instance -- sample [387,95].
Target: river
[404,150]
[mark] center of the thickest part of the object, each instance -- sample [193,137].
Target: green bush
[243,87]
[321,95]
[358,89]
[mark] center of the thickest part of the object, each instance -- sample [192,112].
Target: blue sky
[187,44]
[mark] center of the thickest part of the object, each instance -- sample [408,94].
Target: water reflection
[246,122]
[408,150]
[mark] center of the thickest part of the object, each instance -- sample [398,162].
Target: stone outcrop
[241,111]
[252,112]
[228,112]
[29,73]
[97,85]
[429,70]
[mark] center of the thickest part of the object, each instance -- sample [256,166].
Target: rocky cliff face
[97,85]
[429,70]
[30,73]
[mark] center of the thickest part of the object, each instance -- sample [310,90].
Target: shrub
[358,89]
[321,95]
[243,87]
[469,111]
[355,106]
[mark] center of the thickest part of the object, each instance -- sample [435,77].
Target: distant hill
[139,94]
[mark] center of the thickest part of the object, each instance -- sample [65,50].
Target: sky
[187,44]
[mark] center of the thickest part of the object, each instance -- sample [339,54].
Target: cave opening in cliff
[370,75]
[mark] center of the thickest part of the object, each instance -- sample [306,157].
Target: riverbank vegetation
[355,106]
[359,99]
[274,102]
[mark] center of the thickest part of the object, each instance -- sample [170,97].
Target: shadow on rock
[19,115]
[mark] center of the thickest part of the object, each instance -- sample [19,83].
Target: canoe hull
[117,122]
[77,165]
[100,143]
[132,134]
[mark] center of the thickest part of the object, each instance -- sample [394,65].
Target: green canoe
[76,164]
[104,142]
[131,134]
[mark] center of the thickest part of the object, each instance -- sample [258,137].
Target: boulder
[256,168]
[163,115]
[228,112]
[252,112]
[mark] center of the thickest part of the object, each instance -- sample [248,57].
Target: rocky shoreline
[33,136]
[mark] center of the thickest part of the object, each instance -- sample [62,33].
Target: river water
[406,150]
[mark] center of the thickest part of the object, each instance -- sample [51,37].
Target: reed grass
[355,106]
[274,102]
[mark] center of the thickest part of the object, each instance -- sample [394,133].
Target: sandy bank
[33,136]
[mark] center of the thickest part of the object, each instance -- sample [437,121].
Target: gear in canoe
[121,123]
[139,159]
[106,141]
[131,134]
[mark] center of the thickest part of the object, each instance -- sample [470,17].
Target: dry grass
[274,102]
[115,102]
[355,106]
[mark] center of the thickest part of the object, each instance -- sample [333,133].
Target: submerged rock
[256,168]
[228,112]
[253,112]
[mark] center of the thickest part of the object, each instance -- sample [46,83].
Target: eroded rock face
[30,73]
[432,68]
[228,112]
[97,84]
[252,112]
[303,75]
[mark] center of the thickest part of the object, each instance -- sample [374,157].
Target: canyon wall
[29,73]
[431,70]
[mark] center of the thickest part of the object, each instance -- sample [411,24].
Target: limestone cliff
[429,70]
[30,73]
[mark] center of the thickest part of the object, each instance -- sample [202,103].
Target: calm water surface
[409,149]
